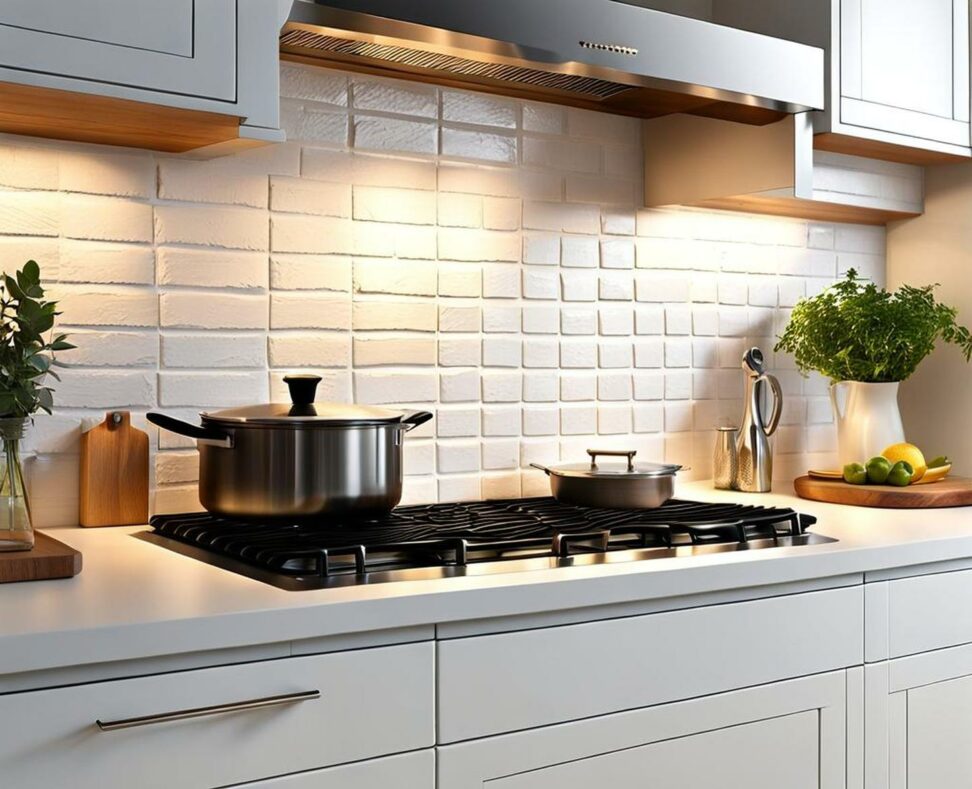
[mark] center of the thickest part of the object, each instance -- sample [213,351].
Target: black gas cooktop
[472,538]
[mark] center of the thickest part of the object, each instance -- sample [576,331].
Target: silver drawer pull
[216,709]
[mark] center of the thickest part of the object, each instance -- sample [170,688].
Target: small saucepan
[627,485]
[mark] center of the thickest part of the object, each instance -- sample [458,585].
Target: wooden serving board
[114,473]
[49,558]
[949,492]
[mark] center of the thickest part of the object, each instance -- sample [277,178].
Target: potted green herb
[867,340]
[26,359]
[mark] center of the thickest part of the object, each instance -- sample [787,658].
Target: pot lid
[625,468]
[304,410]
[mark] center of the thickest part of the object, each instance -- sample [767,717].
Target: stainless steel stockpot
[300,459]
[626,485]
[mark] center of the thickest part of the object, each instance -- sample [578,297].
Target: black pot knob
[303,388]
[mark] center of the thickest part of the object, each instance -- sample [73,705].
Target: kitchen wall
[483,257]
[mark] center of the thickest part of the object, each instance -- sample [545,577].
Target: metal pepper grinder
[754,459]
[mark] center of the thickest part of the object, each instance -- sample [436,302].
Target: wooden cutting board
[949,492]
[114,473]
[49,558]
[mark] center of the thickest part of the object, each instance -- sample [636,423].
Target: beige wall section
[936,402]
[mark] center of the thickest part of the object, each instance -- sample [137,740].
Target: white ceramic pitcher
[868,419]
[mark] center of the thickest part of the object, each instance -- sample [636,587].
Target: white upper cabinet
[179,46]
[904,68]
[897,71]
[174,76]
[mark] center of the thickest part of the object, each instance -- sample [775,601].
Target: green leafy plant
[26,357]
[856,331]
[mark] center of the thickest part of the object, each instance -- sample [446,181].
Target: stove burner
[471,538]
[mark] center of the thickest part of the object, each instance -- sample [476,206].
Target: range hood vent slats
[452,65]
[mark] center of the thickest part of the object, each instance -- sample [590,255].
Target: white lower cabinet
[790,734]
[219,726]
[405,771]
[919,717]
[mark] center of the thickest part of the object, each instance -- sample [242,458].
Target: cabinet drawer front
[372,702]
[929,612]
[500,683]
[406,771]
[193,53]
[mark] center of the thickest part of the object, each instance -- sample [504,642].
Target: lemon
[911,455]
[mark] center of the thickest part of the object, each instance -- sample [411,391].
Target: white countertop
[134,599]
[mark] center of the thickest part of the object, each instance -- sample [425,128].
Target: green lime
[855,474]
[941,460]
[878,469]
[901,474]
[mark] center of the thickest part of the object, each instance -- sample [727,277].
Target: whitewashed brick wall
[415,246]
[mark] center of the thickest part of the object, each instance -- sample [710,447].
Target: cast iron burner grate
[472,538]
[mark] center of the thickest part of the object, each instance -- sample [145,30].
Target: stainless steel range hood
[600,54]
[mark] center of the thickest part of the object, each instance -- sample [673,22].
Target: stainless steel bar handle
[619,453]
[216,709]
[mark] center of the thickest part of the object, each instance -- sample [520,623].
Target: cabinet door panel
[405,771]
[939,720]
[192,52]
[790,734]
[143,24]
[712,760]
[906,54]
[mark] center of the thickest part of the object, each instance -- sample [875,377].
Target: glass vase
[16,532]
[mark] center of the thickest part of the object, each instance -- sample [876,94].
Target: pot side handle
[203,435]
[544,469]
[416,418]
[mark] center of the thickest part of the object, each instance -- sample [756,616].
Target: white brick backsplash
[540,387]
[30,214]
[389,134]
[105,218]
[122,175]
[482,257]
[104,389]
[501,420]
[394,387]
[239,180]
[561,217]
[393,316]
[211,390]
[212,268]
[398,97]
[322,235]
[305,82]
[457,456]
[185,310]
[310,272]
[460,353]
[97,306]
[541,250]
[478,145]
[459,386]
[309,350]
[112,349]
[214,350]
[478,245]
[460,319]
[457,422]
[401,277]
[568,155]
[394,351]
[237,228]
[305,196]
[96,262]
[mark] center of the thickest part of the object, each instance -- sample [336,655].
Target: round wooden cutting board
[949,492]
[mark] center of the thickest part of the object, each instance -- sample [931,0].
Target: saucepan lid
[613,469]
